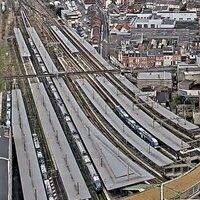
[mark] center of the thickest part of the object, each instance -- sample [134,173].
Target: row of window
[146,26]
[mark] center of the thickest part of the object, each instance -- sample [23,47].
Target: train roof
[59,147]
[145,120]
[68,44]
[119,125]
[113,170]
[26,155]
[23,49]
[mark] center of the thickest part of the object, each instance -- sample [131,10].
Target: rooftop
[172,188]
[154,76]
[168,21]
[24,52]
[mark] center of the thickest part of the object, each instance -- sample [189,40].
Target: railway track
[147,162]
[27,68]
[178,131]
[100,196]
[143,106]
[113,103]
[108,132]
[97,124]
[117,141]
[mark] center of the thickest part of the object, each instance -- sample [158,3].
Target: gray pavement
[4,153]
[23,49]
[30,174]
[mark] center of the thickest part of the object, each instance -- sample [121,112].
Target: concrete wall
[154,83]
[196,117]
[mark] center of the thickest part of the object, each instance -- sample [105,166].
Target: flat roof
[154,76]
[160,109]
[70,13]
[185,65]
[30,174]
[192,73]
[61,152]
[152,154]
[168,21]
[139,20]
[63,38]
[42,51]
[189,93]
[115,165]
[89,47]
[4,157]
[171,188]
[143,119]
[23,49]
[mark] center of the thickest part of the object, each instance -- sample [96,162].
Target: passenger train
[137,128]
[50,188]
[85,157]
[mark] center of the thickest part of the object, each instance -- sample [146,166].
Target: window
[139,25]
[188,19]
[145,26]
[152,25]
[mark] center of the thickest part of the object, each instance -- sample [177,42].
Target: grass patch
[4,61]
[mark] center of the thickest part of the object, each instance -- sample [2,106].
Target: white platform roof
[89,47]
[112,165]
[152,154]
[143,119]
[23,49]
[42,51]
[63,38]
[30,175]
[162,110]
[60,150]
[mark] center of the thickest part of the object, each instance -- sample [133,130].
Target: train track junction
[82,130]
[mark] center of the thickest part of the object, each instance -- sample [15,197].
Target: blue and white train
[137,128]
[87,162]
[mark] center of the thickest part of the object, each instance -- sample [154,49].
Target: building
[174,4]
[178,16]
[154,80]
[193,5]
[184,67]
[70,16]
[134,59]
[154,22]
